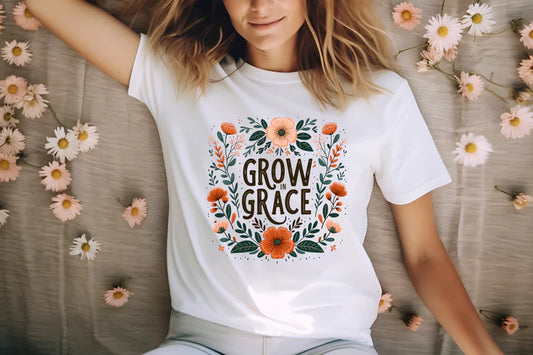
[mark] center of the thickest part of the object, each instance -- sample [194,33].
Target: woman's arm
[96,35]
[435,279]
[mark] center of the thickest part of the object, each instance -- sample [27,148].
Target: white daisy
[6,116]
[472,150]
[3,217]
[63,146]
[87,136]
[443,32]
[470,86]
[526,36]
[33,105]
[517,123]
[84,248]
[17,53]
[479,18]
[13,89]
[11,141]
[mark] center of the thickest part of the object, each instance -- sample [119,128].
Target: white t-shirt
[268,195]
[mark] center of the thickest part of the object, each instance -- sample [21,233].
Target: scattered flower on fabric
[33,105]
[517,123]
[333,227]
[443,32]
[63,146]
[520,199]
[508,323]
[56,176]
[228,128]
[65,207]
[406,15]
[472,150]
[479,18]
[470,86]
[451,53]
[17,53]
[136,212]
[117,297]
[13,89]
[24,18]
[277,242]
[85,248]
[526,36]
[2,17]
[221,227]
[9,170]
[413,322]
[11,141]
[523,96]
[385,303]
[87,136]
[7,118]
[281,131]
[430,56]
[525,70]
[3,216]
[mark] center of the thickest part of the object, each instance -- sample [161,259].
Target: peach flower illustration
[277,242]
[333,227]
[281,131]
[217,194]
[220,227]
[338,189]
[329,128]
[228,128]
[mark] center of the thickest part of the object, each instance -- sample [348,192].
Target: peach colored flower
[509,324]
[385,303]
[333,227]
[406,15]
[24,18]
[9,170]
[228,128]
[11,141]
[136,212]
[523,96]
[525,70]
[443,32]
[517,123]
[329,128]
[413,322]
[430,56]
[277,242]
[7,118]
[13,89]
[56,176]
[526,36]
[338,189]
[521,200]
[281,131]
[451,53]
[470,86]
[33,105]
[217,194]
[65,207]
[117,297]
[17,53]
[220,227]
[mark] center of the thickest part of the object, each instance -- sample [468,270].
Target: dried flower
[523,96]
[85,248]
[520,199]
[9,170]
[117,297]
[56,176]
[385,303]
[2,17]
[406,15]
[479,18]
[17,53]
[136,212]
[517,123]
[3,217]
[526,36]
[11,141]
[6,116]
[24,18]
[508,323]
[525,70]
[472,150]
[63,146]
[65,207]
[33,105]
[443,32]
[413,322]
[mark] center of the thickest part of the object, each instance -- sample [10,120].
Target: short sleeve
[410,165]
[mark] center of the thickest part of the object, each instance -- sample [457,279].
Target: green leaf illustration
[244,247]
[310,246]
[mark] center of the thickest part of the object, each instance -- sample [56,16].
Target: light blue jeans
[189,335]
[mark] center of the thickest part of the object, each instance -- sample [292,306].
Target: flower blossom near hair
[63,146]
[17,53]
[443,32]
[470,86]
[136,212]
[479,18]
[7,118]
[56,176]
[117,297]
[9,170]
[526,36]
[517,123]
[87,136]
[33,105]
[413,322]
[11,141]
[13,89]
[406,15]
[472,150]
[65,207]
[3,216]
[85,248]
[385,303]
[525,70]
[24,18]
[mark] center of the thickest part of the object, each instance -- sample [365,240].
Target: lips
[265,23]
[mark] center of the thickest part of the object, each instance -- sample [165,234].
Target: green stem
[448,75]
[489,80]
[505,192]
[442,7]
[55,116]
[491,315]
[498,96]
[497,33]
[406,49]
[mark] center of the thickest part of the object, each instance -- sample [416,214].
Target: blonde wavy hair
[340,40]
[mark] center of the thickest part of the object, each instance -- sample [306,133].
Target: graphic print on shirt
[276,189]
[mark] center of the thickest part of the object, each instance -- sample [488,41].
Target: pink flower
[333,227]
[117,297]
[2,17]
[430,56]
[509,324]
[24,18]
[517,123]
[527,36]
[13,89]
[413,322]
[56,176]
[451,53]
[525,70]
[135,213]
[470,86]
[17,53]
[11,141]
[220,227]
[405,15]
[521,200]
[33,105]
[443,32]
[65,207]
[9,170]
[385,303]
[281,131]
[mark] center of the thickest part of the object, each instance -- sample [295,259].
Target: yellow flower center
[66,204]
[443,31]
[4,164]
[7,116]
[27,13]
[470,148]
[82,136]
[406,15]
[381,302]
[469,87]
[56,174]
[477,18]
[85,247]
[511,326]
[62,143]
[531,34]
[515,121]
[12,89]
[117,295]
[16,51]
[134,211]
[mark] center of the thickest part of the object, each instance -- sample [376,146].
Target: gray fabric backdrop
[51,302]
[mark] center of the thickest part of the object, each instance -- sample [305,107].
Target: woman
[274,119]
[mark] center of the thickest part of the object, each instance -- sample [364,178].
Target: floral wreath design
[283,136]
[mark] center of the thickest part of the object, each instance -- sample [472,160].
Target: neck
[278,59]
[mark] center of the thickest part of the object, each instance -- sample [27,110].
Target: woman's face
[267,25]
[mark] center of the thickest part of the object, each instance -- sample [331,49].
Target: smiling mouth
[266,24]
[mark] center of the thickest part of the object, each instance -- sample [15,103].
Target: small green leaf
[244,247]
[304,136]
[310,246]
[257,135]
[219,135]
[304,146]
[264,124]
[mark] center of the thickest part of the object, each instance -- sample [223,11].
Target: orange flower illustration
[338,189]
[217,194]
[220,227]
[277,242]
[228,128]
[281,131]
[329,128]
[333,227]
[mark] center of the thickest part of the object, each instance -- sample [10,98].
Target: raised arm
[97,36]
